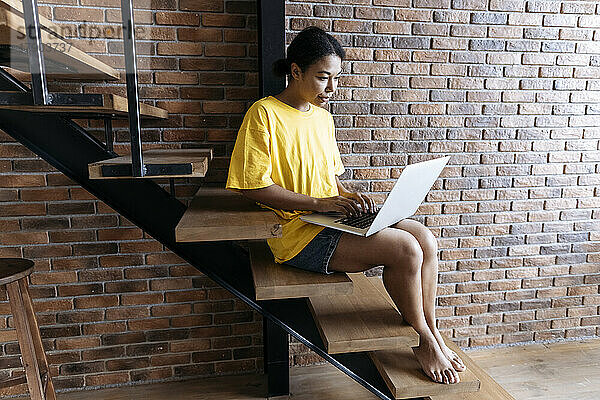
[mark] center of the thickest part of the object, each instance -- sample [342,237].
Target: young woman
[286,158]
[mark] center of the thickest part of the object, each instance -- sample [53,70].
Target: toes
[457,360]
[456,376]
[438,377]
[450,375]
[458,365]
[446,380]
[431,375]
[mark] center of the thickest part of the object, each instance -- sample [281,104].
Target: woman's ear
[296,72]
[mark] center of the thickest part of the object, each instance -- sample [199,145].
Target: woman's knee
[429,242]
[408,253]
[425,237]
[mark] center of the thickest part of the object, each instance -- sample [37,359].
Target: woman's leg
[429,278]
[401,255]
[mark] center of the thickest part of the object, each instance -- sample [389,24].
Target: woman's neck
[291,97]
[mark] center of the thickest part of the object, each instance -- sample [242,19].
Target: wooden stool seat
[13,274]
[13,269]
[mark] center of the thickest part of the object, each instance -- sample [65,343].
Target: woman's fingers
[342,207]
[350,206]
[364,203]
[357,204]
[367,203]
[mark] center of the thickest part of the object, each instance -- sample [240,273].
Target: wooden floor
[568,370]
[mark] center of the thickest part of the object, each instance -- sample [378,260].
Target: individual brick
[468,31]
[372,41]
[406,14]
[507,5]
[525,19]
[578,8]
[486,44]
[509,32]
[353,26]
[543,6]
[78,14]
[411,43]
[373,13]
[175,18]
[397,3]
[329,11]
[489,18]
[385,27]
[588,21]
[431,3]
[560,20]
[468,5]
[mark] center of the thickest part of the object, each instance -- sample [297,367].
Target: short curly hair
[309,46]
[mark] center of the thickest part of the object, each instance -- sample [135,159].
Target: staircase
[348,319]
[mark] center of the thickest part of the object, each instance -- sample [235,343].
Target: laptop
[408,193]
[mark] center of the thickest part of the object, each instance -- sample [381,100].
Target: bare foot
[454,359]
[434,363]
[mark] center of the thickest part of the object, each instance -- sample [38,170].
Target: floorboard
[557,371]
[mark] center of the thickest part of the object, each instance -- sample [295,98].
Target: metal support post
[271,44]
[172,186]
[109,136]
[37,66]
[133,101]
[276,354]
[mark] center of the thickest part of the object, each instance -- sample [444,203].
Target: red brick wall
[508,88]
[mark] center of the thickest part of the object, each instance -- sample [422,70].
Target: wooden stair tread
[197,158]
[404,377]
[113,105]
[63,60]
[489,390]
[220,214]
[362,321]
[277,281]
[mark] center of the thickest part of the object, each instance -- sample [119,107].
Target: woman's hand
[337,204]
[347,203]
[366,203]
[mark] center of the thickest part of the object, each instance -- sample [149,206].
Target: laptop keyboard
[361,221]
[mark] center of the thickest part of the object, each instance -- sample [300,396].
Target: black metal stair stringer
[69,148]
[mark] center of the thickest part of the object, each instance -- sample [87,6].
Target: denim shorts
[315,256]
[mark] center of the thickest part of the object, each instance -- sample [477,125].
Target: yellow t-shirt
[278,144]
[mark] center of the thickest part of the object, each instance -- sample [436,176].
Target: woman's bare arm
[277,197]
